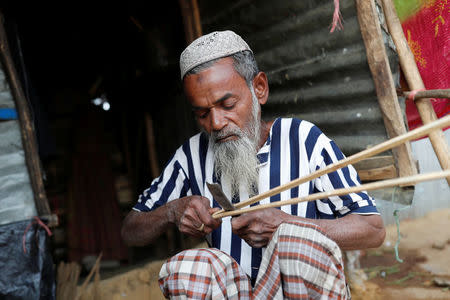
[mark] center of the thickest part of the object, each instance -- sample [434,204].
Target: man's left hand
[257,227]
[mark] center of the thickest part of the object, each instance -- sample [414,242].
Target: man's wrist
[170,212]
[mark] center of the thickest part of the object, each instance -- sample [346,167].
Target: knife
[219,196]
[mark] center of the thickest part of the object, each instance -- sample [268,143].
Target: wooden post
[26,127]
[412,75]
[150,135]
[384,83]
[191,19]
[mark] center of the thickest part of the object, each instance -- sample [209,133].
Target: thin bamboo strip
[389,144]
[344,191]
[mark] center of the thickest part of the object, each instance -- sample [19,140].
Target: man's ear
[261,87]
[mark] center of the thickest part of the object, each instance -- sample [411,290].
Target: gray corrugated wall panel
[16,195]
[254,15]
[313,74]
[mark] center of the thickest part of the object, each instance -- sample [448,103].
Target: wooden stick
[412,75]
[384,84]
[26,126]
[430,94]
[410,180]
[389,144]
[96,266]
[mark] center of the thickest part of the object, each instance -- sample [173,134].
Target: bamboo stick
[409,180]
[412,75]
[389,144]
[443,93]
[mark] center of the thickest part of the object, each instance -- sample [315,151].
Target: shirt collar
[263,153]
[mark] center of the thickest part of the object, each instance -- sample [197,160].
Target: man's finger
[204,214]
[240,222]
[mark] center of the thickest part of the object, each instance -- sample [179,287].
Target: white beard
[236,160]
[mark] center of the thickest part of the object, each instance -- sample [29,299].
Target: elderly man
[292,252]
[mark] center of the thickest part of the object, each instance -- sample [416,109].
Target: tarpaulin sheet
[27,275]
[426,25]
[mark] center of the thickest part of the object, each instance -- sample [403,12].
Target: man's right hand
[189,213]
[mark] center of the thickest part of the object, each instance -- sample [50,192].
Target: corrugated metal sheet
[313,74]
[16,195]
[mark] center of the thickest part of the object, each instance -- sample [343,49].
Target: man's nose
[218,120]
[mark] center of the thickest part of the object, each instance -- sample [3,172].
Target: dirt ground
[424,247]
[425,250]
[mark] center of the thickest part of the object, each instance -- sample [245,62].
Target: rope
[40,223]
[337,18]
[413,93]
[397,222]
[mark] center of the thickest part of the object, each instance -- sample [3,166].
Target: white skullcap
[209,47]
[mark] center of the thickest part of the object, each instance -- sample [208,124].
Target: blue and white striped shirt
[293,149]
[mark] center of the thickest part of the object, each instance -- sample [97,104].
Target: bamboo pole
[389,144]
[445,93]
[384,84]
[409,180]
[412,75]
[26,126]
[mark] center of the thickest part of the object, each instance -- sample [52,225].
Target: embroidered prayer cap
[211,46]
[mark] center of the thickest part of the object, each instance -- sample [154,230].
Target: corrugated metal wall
[16,194]
[313,74]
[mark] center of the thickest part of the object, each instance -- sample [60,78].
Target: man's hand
[189,213]
[257,227]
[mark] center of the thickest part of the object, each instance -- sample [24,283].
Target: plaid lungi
[300,262]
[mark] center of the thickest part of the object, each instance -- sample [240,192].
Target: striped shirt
[293,149]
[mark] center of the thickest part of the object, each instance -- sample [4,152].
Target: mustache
[217,135]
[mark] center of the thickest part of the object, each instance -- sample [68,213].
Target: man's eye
[228,104]
[202,114]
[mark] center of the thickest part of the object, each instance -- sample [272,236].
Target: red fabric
[428,36]
[94,215]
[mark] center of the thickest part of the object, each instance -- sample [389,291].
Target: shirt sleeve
[339,206]
[172,184]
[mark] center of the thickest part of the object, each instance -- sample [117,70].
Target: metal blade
[219,196]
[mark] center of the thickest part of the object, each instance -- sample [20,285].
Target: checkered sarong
[300,262]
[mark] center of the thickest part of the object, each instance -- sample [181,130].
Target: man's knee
[205,273]
[305,251]
[305,234]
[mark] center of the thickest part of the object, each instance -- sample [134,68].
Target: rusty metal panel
[313,74]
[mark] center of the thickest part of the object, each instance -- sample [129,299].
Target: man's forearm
[353,231]
[142,228]
[191,214]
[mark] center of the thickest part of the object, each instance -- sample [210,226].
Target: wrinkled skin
[258,227]
[189,213]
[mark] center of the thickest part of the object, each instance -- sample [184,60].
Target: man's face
[228,110]
[220,99]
